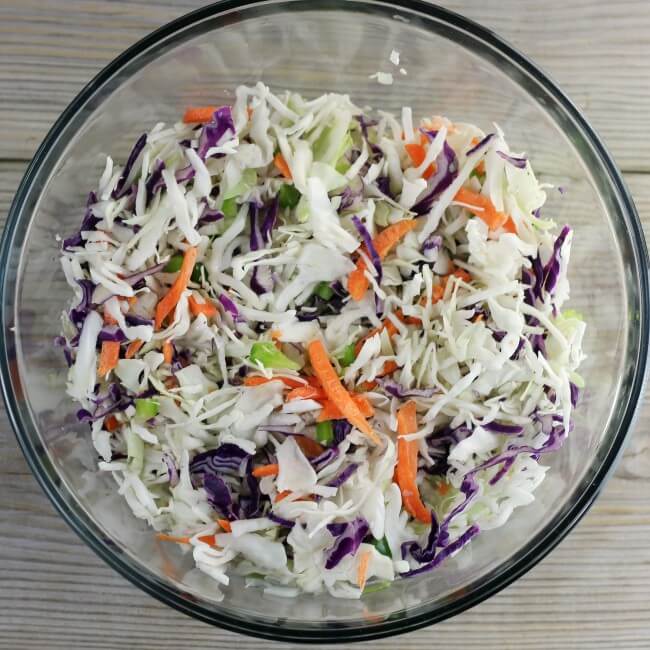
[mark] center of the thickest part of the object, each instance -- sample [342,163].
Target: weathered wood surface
[591,592]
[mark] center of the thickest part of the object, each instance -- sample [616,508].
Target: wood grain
[591,592]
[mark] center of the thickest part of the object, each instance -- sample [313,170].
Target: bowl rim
[529,555]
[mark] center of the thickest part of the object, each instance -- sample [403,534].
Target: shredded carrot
[281,165]
[249,111]
[258,380]
[305,392]
[309,447]
[225,525]
[206,308]
[276,335]
[168,302]
[163,537]
[407,320]
[331,411]
[362,570]
[111,423]
[281,495]
[388,368]
[335,390]
[266,470]
[108,319]
[133,348]
[388,238]
[386,324]
[108,357]
[407,464]
[443,488]
[463,275]
[417,153]
[197,114]
[510,226]
[357,281]
[482,207]
[132,300]
[168,351]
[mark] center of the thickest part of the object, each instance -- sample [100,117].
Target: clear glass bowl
[455,68]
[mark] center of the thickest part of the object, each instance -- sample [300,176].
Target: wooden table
[592,592]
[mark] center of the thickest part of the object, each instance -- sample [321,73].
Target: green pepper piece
[348,356]
[382,546]
[270,357]
[324,290]
[174,264]
[146,409]
[197,272]
[289,196]
[325,432]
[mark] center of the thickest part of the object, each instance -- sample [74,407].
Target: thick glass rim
[519,67]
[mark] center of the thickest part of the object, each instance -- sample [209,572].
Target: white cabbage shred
[462,313]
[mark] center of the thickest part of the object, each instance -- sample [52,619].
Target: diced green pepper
[229,208]
[325,432]
[174,264]
[348,356]
[197,272]
[146,409]
[134,451]
[324,290]
[289,196]
[270,357]
[382,546]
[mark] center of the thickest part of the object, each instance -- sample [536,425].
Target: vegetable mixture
[319,346]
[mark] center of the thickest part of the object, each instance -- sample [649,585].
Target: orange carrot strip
[482,207]
[168,351]
[362,570]
[510,226]
[111,423]
[388,368]
[281,165]
[258,380]
[305,392]
[443,488]
[108,357]
[196,114]
[108,319]
[281,495]
[205,308]
[163,537]
[133,348]
[266,470]
[166,305]
[407,464]
[417,153]
[388,238]
[331,411]
[224,524]
[335,390]
[387,324]
[309,447]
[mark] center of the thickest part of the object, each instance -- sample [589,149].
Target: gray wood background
[591,592]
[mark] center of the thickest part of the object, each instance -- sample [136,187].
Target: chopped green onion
[174,264]
[382,546]
[229,208]
[270,357]
[348,356]
[134,451]
[146,409]
[197,272]
[324,290]
[376,586]
[289,196]
[325,432]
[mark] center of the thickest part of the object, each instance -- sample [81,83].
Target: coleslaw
[317,345]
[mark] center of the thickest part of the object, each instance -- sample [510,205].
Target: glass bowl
[454,68]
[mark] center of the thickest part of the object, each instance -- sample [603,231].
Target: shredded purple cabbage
[79,312]
[172,470]
[505,429]
[155,181]
[348,539]
[87,224]
[440,180]
[270,217]
[339,480]
[216,132]
[370,247]
[397,390]
[552,268]
[121,186]
[519,163]
[136,277]
[111,333]
[341,429]
[227,458]
[209,216]
[280,521]
[482,144]
[185,174]
[230,307]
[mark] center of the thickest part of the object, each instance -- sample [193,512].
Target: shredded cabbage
[292,213]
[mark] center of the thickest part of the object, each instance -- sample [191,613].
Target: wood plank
[597,51]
